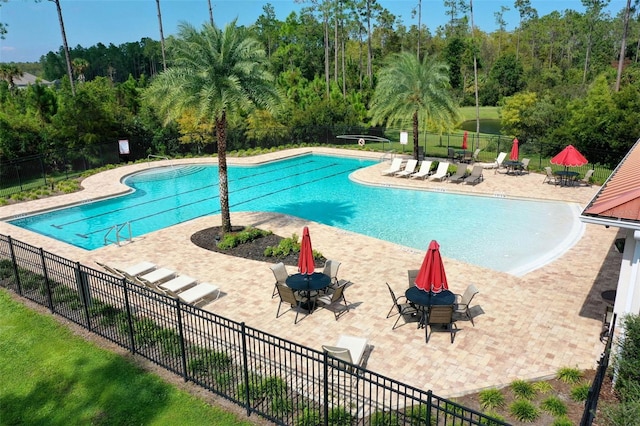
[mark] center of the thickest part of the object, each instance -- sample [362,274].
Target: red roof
[619,197]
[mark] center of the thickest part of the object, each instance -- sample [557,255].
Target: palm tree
[65,46]
[8,73]
[79,66]
[215,73]
[416,89]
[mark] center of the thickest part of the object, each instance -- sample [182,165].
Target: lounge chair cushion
[348,348]
[199,292]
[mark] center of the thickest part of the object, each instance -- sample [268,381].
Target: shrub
[6,268]
[569,375]
[309,418]
[543,387]
[234,239]
[627,361]
[580,392]
[562,421]
[524,410]
[381,418]
[554,405]
[339,416]
[523,389]
[491,398]
[622,414]
[494,415]
[418,416]
[287,246]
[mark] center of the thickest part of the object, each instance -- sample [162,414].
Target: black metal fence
[280,380]
[42,170]
[590,405]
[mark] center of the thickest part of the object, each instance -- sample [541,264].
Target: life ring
[361,142]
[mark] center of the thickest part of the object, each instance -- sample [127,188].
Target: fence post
[15,265]
[325,384]
[44,170]
[85,295]
[132,342]
[47,284]
[183,350]
[429,402]
[18,175]
[245,369]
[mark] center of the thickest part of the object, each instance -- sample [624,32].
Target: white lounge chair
[441,171]
[425,170]
[349,349]
[139,268]
[200,292]
[409,169]
[499,160]
[586,180]
[178,284]
[155,277]
[396,166]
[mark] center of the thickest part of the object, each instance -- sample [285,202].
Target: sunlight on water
[507,235]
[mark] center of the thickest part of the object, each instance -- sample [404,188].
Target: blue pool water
[507,235]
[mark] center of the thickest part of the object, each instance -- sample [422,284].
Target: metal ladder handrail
[158,156]
[118,231]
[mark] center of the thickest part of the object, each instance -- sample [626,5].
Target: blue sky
[34,29]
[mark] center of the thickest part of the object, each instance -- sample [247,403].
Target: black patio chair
[406,311]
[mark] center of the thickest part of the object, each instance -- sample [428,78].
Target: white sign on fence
[404,138]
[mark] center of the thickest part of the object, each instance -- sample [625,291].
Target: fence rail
[38,171]
[590,405]
[272,377]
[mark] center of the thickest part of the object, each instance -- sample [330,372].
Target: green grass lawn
[486,113]
[50,376]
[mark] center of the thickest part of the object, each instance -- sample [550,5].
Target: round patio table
[426,298]
[303,282]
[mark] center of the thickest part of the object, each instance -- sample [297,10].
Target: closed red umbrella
[514,150]
[569,157]
[306,264]
[464,140]
[431,276]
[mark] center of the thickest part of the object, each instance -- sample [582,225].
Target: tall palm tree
[65,45]
[412,90]
[215,73]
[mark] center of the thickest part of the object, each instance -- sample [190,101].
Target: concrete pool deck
[526,328]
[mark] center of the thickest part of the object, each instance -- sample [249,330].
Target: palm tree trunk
[210,12]
[164,58]
[419,28]
[415,135]
[369,47]
[221,132]
[475,73]
[326,52]
[623,45]
[66,46]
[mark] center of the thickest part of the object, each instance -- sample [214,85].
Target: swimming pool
[522,234]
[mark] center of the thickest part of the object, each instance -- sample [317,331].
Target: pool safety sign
[123,146]
[404,138]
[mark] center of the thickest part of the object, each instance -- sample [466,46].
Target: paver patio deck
[528,327]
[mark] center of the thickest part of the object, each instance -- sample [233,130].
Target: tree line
[554,78]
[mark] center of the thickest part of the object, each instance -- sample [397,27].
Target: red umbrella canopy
[306,264]
[464,140]
[514,150]
[569,157]
[431,276]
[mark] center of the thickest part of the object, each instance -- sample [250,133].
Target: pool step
[171,172]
